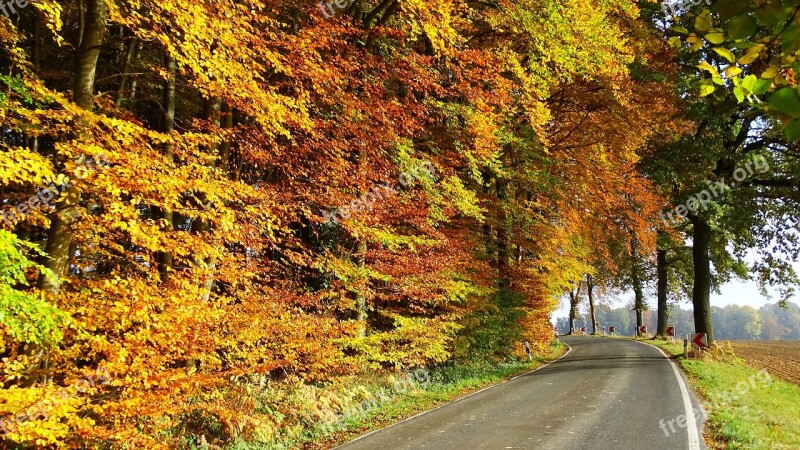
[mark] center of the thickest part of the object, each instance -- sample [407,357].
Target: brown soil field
[780,358]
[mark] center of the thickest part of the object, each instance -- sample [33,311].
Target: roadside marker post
[686,347]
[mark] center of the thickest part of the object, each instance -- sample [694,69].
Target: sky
[733,293]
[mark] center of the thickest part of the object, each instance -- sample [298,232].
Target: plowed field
[780,358]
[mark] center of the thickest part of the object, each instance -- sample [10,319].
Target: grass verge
[380,406]
[747,408]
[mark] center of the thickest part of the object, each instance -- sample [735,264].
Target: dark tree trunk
[59,236]
[502,237]
[212,111]
[701,292]
[126,67]
[638,292]
[590,293]
[574,301]
[487,228]
[165,260]
[661,272]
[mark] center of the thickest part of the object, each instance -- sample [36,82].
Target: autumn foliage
[200,255]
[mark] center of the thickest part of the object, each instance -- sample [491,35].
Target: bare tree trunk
[661,272]
[126,67]
[503,272]
[701,292]
[165,260]
[36,34]
[590,292]
[200,226]
[574,302]
[59,236]
[487,228]
[59,245]
[638,294]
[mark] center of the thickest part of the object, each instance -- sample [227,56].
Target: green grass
[747,408]
[446,384]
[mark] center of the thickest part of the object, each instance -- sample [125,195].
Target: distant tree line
[732,322]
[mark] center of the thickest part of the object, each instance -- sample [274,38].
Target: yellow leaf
[715,37]
[703,21]
[706,89]
[732,71]
[725,53]
[771,72]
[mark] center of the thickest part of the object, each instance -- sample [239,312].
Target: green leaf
[792,130]
[762,86]
[790,40]
[741,27]
[749,83]
[771,14]
[737,91]
[786,101]
[730,8]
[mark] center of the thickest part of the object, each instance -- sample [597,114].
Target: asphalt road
[605,394]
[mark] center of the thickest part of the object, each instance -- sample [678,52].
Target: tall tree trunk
[701,291]
[360,256]
[361,301]
[225,147]
[165,260]
[590,293]
[661,286]
[212,110]
[638,292]
[487,228]
[126,67]
[503,273]
[59,236]
[59,245]
[36,35]
[574,301]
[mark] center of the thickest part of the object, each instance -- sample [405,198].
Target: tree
[272,175]
[757,42]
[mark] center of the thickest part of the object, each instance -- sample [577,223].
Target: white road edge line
[569,349]
[691,418]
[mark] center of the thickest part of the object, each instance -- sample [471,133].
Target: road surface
[604,394]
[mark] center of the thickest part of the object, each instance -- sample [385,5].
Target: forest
[211,209]
[732,322]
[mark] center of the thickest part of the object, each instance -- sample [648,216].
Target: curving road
[604,394]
